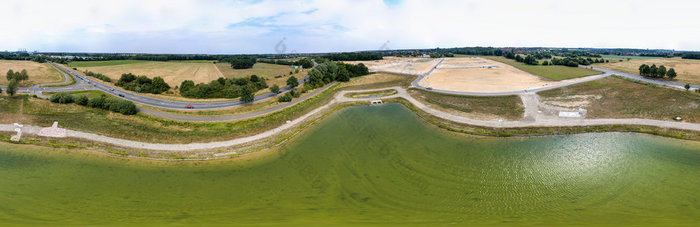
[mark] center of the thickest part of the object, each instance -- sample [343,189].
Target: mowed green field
[553,72]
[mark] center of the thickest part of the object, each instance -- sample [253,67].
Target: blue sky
[232,27]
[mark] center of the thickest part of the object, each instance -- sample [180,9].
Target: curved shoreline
[339,99]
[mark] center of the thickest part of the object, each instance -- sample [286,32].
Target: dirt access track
[475,74]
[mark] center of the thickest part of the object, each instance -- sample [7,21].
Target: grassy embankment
[38,72]
[373,94]
[621,98]
[552,72]
[488,107]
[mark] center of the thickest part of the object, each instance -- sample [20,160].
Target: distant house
[425,56]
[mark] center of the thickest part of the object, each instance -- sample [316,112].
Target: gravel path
[530,100]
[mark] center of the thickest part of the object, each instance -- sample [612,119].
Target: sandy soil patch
[688,69]
[38,72]
[482,75]
[400,65]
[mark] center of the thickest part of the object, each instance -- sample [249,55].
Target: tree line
[354,56]
[224,88]
[19,76]
[98,76]
[330,71]
[691,56]
[657,72]
[242,62]
[142,84]
[304,62]
[116,105]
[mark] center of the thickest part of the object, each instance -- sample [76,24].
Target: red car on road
[189,107]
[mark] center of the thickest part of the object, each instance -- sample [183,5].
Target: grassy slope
[508,107]
[554,72]
[621,98]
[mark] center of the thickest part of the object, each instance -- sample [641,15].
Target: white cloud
[188,26]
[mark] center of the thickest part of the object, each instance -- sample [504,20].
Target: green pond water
[368,165]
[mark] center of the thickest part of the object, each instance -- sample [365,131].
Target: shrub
[275,88]
[285,98]
[61,97]
[81,100]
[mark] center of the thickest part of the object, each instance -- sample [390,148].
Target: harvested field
[400,65]
[688,69]
[476,74]
[275,74]
[173,72]
[38,72]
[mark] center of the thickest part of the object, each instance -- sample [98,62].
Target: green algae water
[368,165]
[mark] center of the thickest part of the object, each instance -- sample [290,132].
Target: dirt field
[468,75]
[38,72]
[400,65]
[688,69]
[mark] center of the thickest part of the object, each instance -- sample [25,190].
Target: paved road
[155,102]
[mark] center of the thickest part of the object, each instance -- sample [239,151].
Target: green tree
[343,75]
[82,100]
[0,91]
[687,87]
[661,72]
[643,69]
[247,94]
[12,87]
[671,73]
[10,74]
[652,70]
[292,82]
[285,98]
[275,89]
[23,75]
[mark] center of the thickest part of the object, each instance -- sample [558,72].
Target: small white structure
[18,136]
[376,102]
[53,131]
[580,113]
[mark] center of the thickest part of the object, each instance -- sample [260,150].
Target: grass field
[89,94]
[482,107]
[614,97]
[688,70]
[553,72]
[38,72]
